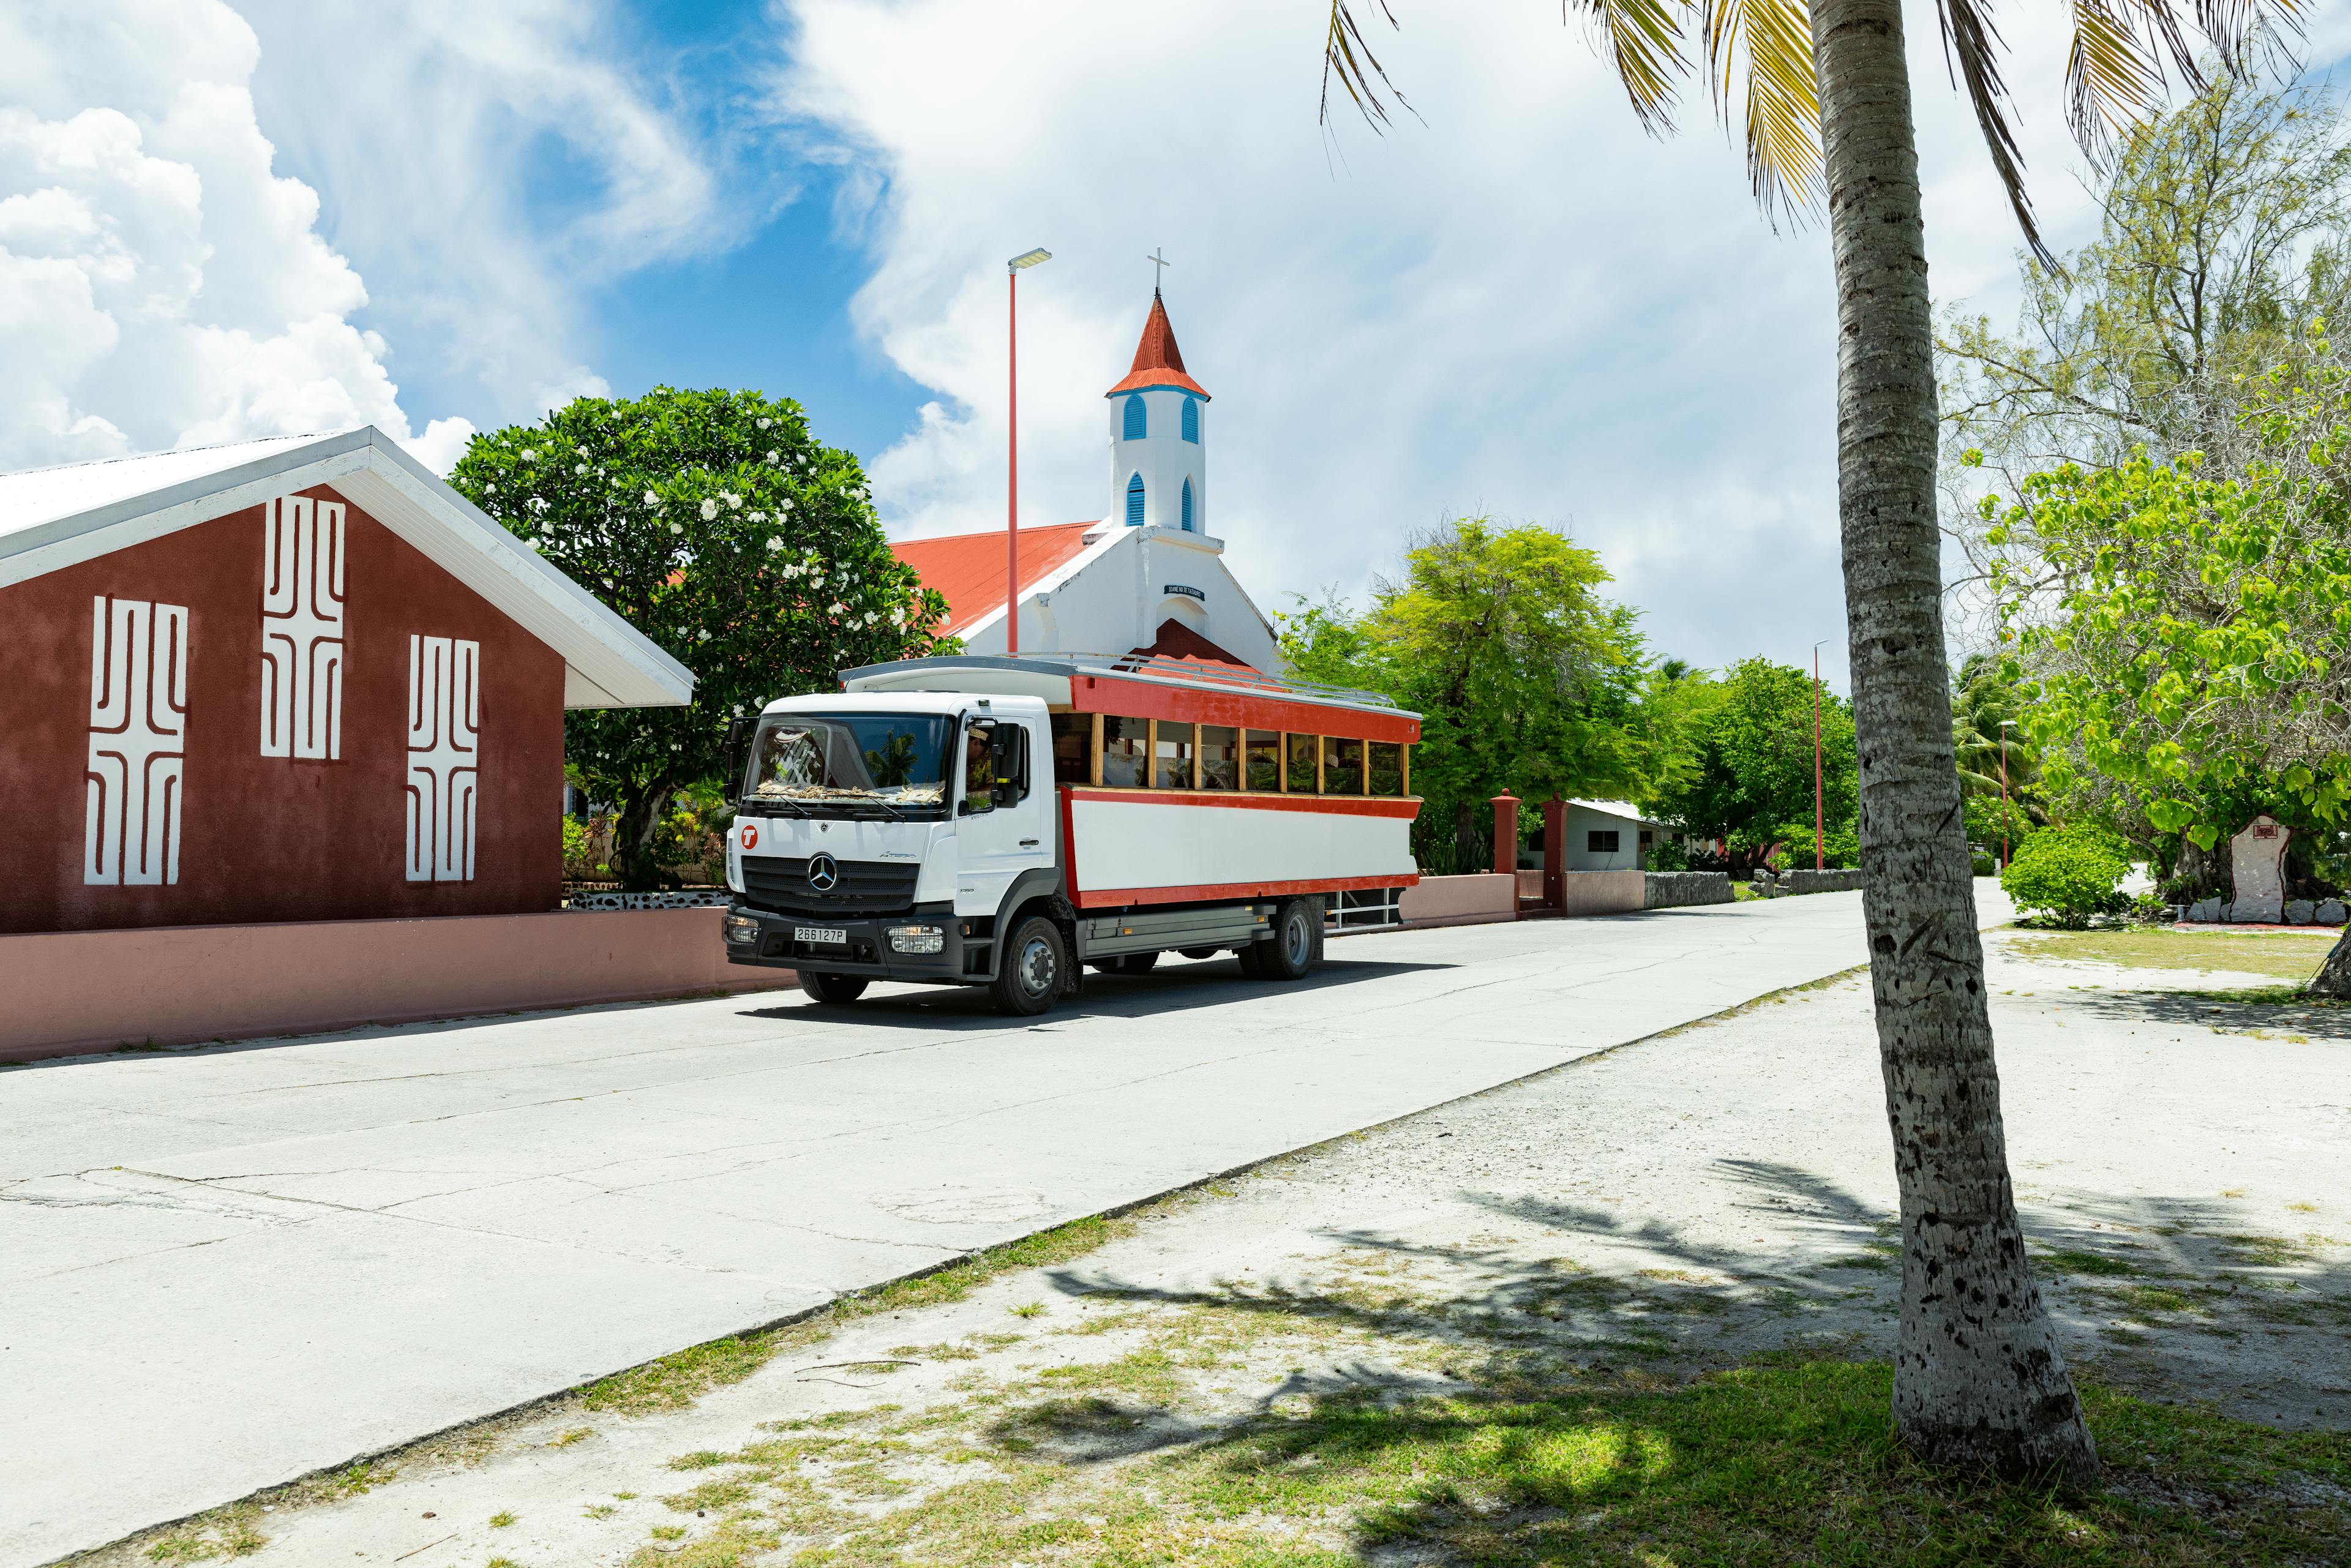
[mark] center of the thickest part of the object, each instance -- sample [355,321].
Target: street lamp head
[1027,259]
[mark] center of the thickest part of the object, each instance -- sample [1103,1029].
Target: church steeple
[1158,455]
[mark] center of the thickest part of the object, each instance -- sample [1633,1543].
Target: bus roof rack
[1158,667]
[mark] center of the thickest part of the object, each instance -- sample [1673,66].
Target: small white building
[1611,835]
[1147,576]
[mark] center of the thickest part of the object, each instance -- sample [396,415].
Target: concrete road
[224,1267]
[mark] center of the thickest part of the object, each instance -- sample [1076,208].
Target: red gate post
[1554,813]
[1506,834]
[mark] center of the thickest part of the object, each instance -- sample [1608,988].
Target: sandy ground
[1681,1202]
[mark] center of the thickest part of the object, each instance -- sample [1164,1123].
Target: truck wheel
[834,990]
[1035,961]
[1289,953]
[1137,963]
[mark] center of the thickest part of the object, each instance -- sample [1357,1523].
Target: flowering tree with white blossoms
[722,531]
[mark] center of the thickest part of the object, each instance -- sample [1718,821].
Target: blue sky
[222,218]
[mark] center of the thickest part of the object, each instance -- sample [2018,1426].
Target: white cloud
[163,282]
[1523,305]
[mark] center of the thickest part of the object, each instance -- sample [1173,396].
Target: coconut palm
[1979,1381]
[1992,758]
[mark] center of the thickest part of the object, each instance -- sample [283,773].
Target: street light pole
[2004,724]
[1012,270]
[1820,859]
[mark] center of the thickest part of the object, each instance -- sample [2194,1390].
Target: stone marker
[2257,859]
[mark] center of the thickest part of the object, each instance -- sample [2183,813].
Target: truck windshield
[899,760]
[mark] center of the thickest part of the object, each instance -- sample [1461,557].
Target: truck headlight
[918,939]
[742,928]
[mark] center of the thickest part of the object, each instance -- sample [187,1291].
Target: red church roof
[969,568]
[1157,362]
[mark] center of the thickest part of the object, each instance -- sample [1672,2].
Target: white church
[1148,576]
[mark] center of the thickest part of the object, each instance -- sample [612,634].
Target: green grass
[2096,1263]
[2289,956]
[677,1380]
[1783,1462]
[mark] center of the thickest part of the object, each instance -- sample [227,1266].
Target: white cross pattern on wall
[302,629]
[443,756]
[138,742]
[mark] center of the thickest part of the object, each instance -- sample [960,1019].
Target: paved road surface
[222,1269]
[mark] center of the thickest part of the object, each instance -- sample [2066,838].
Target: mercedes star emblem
[823,874]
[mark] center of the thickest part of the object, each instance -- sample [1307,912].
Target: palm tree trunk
[1979,1380]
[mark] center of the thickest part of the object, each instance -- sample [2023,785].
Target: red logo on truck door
[750,835]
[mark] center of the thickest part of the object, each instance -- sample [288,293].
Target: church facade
[1148,575]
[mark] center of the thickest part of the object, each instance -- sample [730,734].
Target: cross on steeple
[1158,264]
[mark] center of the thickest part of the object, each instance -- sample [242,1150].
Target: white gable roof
[51,519]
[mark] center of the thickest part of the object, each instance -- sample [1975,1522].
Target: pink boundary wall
[1459,900]
[69,992]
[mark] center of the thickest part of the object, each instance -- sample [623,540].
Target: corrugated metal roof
[969,568]
[39,495]
[51,519]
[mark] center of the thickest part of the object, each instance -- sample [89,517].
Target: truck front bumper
[761,937]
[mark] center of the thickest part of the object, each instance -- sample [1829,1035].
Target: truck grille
[865,887]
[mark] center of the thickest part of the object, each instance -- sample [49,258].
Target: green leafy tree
[1750,780]
[1527,679]
[726,533]
[2193,632]
[2068,874]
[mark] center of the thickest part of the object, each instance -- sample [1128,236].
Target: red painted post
[1012,462]
[1554,813]
[1506,834]
[1818,861]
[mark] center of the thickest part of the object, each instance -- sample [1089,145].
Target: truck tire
[1137,963]
[1034,969]
[833,990]
[1291,949]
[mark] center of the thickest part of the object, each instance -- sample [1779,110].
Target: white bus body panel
[1162,852]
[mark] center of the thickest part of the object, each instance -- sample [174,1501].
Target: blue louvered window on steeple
[1134,502]
[1136,424]
[1192,419]
[1187,505]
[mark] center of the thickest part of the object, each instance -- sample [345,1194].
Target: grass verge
[2289,956]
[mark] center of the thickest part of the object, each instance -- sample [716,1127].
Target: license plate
[832,935]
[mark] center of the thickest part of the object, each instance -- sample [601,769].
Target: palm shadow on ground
[1529,1394]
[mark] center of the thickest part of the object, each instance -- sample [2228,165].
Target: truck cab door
[1003,818]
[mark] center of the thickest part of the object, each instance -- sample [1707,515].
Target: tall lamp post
[1820,860]
[1012,271]
[2005,726]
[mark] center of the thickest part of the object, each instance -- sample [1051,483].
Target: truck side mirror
[1009,747]
[738,734]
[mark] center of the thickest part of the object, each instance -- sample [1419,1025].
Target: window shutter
[1134,502]
[1138,423]
[1187,505]
[1192,419]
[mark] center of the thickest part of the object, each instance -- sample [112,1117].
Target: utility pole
[1012,270]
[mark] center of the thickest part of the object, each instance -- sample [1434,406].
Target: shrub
[2066,876]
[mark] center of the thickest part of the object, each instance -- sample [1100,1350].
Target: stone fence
[1794,882]
[1675,889]
[2296,912]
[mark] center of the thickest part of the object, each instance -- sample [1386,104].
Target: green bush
[2066,876]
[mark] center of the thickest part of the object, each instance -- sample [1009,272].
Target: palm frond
[1774,40]
[1971,50]
[1643,42]
[1347,56]
[2112,81]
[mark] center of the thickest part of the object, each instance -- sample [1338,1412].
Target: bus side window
[1220,757]
[1125,754]
[1264,761]
[1073,738]
[1387,767]
[1343,766]
[1302,764]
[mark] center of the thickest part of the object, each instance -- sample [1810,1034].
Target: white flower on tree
[709,510]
